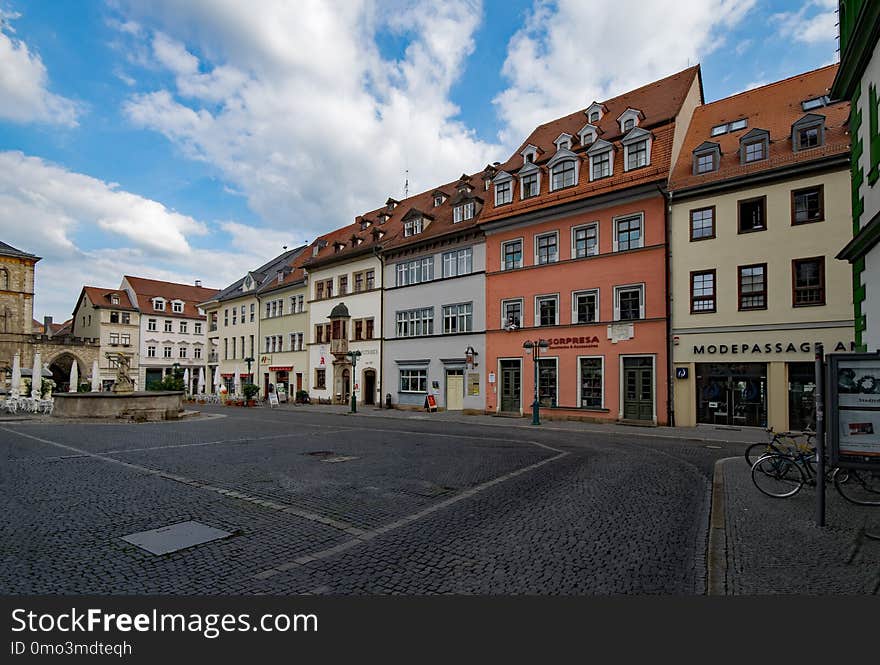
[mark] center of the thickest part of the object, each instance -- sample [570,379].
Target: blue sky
[191,139]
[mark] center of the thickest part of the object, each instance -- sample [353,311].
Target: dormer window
[391,204]
[636,148]
[808,132]
[177,307]
[707,157]
[503,188]
[463,212]
[588,134]
[563,174]
[563,142]
[438,201]
[365,224]
[594,112]
[601,155]
[338,247]
[530,184]
[412,227]
[114,299]
[630,119]
[754,146]
[159,305]
[529,154]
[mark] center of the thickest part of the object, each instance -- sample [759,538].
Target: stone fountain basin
[138,406]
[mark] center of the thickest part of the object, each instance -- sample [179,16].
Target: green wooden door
[638,389]
[511,382]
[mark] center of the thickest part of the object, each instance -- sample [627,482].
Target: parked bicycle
[782,442]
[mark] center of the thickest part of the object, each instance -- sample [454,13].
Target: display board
[854,409]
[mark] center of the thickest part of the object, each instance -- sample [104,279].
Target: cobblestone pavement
[336,504]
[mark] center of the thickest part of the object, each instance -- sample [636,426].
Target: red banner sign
[281,369]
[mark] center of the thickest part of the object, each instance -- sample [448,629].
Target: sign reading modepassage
[855,409]
[766,348]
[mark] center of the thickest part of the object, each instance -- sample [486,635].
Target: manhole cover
[175,537]
[339,458]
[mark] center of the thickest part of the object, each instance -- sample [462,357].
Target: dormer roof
[600,145]
[635,134]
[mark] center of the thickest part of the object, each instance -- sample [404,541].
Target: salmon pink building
[576,260]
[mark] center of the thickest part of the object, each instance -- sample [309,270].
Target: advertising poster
[856,407]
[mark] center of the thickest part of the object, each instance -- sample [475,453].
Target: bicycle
[858,486]
[782,443]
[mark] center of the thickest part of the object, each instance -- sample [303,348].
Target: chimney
[47,326]
[199,283]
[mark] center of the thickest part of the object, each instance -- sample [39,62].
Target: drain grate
[175,537]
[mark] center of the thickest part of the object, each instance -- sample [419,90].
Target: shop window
[591,383]
[547,382]
[413,380]
[321,379]
[808,282]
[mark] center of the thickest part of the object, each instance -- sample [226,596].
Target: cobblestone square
[415,506]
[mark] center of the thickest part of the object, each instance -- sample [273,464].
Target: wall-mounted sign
[491,377]
[854,413]
[585,342]
[473,384]
[681,372]
[764,349]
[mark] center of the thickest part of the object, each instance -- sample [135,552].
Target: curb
[716,557]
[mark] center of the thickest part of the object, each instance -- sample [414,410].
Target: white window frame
[151,351]
[152,325]
[183,328]
[521,241]
[626,149]
[197,328]
[523,176]
[159,305]
[555,234]
[454,312]
[581,227]
[177,307]
[596,156]
[169,325]
[574,161]
[166,352]
[463,212]
[413,227]
[522,308]
[545,296]
[580,381]
[410,370]
[629,287]
[574,308]
[197,352]
[627,217]
[509,183]
[453,259]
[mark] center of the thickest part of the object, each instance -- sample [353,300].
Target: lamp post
[535,347]
[353,356]
[249,360]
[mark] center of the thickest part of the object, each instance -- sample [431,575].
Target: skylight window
[734,126]
[815,103]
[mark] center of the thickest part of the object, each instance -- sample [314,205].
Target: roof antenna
[406,186]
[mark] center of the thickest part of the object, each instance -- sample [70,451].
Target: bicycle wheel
[778,476]
[858,486]
[757,450]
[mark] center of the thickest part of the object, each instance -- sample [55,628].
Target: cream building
[759,207]
[16,308]
[110,316]
[284,333]
[233,322]
[172,328]
[344,268]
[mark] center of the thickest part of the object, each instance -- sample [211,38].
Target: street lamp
[353,356]
[536,346]
[249,360]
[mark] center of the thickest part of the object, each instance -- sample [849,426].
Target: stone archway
[60,367]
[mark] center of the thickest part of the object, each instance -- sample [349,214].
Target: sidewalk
[761,545]
[707,433]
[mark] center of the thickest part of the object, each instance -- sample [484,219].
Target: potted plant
[249,390]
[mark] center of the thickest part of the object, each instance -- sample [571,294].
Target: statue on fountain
[123,383]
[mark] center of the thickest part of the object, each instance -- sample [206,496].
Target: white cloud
[297,108]
[92,232]
[24,83]
[570,52]
[814,23]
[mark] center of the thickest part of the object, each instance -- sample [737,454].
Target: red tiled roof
[147,289]
[659,101]
[774,108]
[101,297]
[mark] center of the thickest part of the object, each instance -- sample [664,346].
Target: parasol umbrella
[37,377]
[15,388]
[217,379]
[74,377]
[237,381]
[186,380]
[96,378]
[201,387]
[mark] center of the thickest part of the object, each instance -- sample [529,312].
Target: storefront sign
[265,360]
[281,368]
[574,342]
[763,349]
[854,414]
[473,384]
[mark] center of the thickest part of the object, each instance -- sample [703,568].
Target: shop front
[751,379]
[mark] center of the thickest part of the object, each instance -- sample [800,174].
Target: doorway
[511,385]
[454,390]
[369,387]
[732,394]
[638,388]
[346,385]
